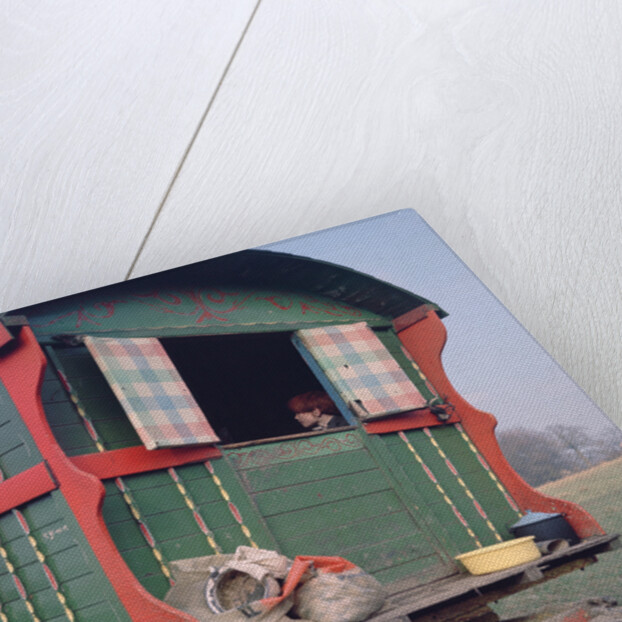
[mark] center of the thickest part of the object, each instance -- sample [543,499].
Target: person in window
[316,410]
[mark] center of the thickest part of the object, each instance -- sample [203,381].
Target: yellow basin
[500,556]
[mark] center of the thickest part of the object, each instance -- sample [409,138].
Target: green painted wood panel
[502,511]
[196,310]
[444,516]
[18,451]
[289,474]
[271,454]
[164,510]
[327,495]
[307,495]
[126,534]
[351,510]
[54,534]
[95,397]
[324,541]
[469,469]
[425,569]
[453,488]
[16,611]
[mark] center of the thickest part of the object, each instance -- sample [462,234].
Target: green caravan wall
[443,472]
[195,311]
[46,564]
[18,451]
[194,510]
[328,495]
[369,498]
[89,394]
[148,515]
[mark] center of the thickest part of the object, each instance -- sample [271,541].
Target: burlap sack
[190,576]
[348,596]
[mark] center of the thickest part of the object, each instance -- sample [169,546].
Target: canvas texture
[362,369]
[151,391]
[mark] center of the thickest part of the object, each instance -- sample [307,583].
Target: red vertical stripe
[20,587]
[22,521]
[235,512]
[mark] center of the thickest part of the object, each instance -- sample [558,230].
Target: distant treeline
[541,456]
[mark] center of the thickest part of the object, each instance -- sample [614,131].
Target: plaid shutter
[362,370]
[151,391]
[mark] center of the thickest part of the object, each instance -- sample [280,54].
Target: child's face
[308,418]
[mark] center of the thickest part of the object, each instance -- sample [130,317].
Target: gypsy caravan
[148,422]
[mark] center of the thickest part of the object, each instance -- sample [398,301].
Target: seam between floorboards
[191,144]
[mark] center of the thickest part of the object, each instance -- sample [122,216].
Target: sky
[490,358]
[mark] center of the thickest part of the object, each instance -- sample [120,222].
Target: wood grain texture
[98,104]
[499,122]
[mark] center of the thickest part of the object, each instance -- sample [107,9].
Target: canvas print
[340,427]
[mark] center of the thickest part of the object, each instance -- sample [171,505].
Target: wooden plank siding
[163,511]
[95,397]
[46,564]
[18,451]
[327,496]
[42,539]
[399,505]
[468,487]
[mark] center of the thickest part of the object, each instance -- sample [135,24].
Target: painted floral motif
[294,450]
[200,306]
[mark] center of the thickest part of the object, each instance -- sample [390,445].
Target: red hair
[306,402]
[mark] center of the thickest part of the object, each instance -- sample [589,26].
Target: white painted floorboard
[98,103]
[499,122]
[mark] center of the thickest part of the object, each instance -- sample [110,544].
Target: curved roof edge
[339,282]
[284,271]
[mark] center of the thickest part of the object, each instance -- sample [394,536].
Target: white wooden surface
[98,103]
[499,122]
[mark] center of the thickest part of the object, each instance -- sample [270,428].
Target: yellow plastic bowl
[500,556]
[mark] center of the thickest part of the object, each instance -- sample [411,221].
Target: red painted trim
[120,462]
[21,372]
[412,420]
[425,341]
[411,317]
[25,487]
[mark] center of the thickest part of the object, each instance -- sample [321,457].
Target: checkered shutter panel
[151,391]
[363,371]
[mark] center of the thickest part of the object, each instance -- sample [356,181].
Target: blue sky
[489,357]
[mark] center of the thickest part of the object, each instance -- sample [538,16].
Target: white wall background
[136,137]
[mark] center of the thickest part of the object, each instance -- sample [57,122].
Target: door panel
[328,495]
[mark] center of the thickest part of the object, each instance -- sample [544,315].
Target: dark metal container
[544,526]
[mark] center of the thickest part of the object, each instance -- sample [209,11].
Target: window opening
[243,384]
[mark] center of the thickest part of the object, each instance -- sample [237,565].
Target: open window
[243,382]
[240,385]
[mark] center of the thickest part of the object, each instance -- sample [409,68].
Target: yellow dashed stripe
[440,489]
[83,415]
[462,483]
[129,500]
[131,503]
[41,557]
[11,569]
[225,495]
[423,377]
[492,476]
[192,506]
